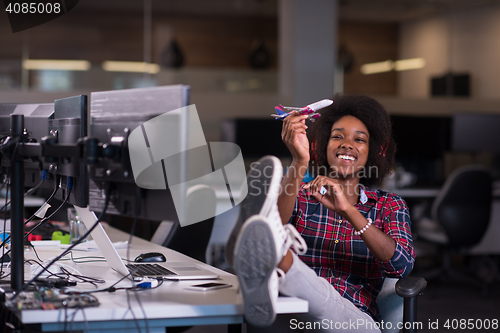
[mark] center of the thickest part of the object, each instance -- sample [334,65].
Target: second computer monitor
[114,115]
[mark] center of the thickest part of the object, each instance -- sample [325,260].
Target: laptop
[166,270]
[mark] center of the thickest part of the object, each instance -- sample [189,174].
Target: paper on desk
[46,243]
[92,246]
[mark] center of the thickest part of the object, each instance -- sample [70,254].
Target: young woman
[347,237]
[356,236]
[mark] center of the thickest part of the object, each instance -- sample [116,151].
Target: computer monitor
[65,119]
[476,133]
[70,124]
[256,137]
[36,124]
[113,116]
[421,143]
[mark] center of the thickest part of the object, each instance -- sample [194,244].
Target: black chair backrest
[192,240]
[464,206]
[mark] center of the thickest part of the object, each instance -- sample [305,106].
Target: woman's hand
[329,192]
[380,244]
[293,134]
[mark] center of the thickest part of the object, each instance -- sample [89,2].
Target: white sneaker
[263,181]
[285,236]
[260,246]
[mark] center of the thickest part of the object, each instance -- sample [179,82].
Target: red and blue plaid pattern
[338,255]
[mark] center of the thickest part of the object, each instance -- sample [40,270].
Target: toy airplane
[310,110]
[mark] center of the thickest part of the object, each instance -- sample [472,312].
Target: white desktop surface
[169,305]
[29,201]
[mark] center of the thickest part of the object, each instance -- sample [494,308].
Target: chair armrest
[410,286]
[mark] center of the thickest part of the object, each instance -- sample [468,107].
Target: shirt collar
[362,196]
[366,194]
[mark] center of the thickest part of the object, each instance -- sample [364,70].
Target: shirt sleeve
[295,213]
[293,218]
[397,224]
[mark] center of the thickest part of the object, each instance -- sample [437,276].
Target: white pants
[328,310]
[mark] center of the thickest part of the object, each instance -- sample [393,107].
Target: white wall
[463,41]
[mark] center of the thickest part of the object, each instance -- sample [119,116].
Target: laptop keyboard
[148,270]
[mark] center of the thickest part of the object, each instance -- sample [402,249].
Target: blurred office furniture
[256,137]
[451,84]
[191,240]
[419,154]
[260,57]
[476,133]
[397,302]
[172,55]
[474,140]
[460,215]
[489,245]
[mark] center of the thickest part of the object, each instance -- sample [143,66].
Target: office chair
[191,240]
[460,216]
[397,303]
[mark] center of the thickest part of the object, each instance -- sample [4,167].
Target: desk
[420,200]
[169,305]
[417,193]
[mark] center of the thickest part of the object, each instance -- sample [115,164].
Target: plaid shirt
[338,255]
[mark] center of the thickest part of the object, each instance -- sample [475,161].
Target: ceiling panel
[354,10]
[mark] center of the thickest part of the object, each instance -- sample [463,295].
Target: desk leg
[234,328]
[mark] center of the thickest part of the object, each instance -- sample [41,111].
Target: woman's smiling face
[347,150]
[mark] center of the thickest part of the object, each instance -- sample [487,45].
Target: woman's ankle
[286,262]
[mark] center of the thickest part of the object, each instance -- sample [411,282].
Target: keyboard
[148,270]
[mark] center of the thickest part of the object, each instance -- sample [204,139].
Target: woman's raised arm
[294,136]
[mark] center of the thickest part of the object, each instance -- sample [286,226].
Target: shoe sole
[255,262]
[257,202]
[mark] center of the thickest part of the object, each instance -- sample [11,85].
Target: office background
[217,40]
[241,58]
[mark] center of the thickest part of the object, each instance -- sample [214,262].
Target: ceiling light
[130,66]
[407,64]
[62,65]
[377,67]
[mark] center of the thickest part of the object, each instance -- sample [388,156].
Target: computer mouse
[151,257]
